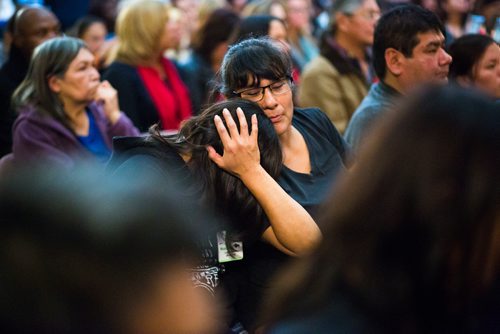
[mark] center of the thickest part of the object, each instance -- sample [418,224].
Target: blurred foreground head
[412,233]
[84,254]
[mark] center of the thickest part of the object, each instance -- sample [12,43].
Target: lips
[275,119]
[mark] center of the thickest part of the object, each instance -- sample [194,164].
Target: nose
[445,59]
[94,74]
[268,100]
[51,34]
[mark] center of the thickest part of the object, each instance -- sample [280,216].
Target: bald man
[29,26]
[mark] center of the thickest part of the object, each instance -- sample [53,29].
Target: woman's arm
[292,229]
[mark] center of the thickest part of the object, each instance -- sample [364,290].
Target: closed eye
[252,92]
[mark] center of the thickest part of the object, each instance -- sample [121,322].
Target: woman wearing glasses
[312,150]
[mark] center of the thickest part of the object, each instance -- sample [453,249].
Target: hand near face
[241,150]
[108,96]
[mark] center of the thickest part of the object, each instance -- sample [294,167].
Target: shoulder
[34,126]
[148,157]
[310,115]
[319,66]
[30,117]
[120,70]
[145,148]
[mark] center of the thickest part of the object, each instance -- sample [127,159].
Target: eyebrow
[436,44]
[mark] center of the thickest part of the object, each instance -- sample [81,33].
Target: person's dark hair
[253,26]
[466,51]
[216,29]
[51,58]
[79,251]
[252,60]
[346,7]
[83,24]
[105,9]
[443,14]
[399,28]
[222,190]
[409,233]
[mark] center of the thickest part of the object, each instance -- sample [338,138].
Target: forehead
[369,4]
[96,27]
[34,19]
[83,55]
[492,52]
[429,38]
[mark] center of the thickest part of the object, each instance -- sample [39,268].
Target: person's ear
[394,61]
[342,22]
[54,84]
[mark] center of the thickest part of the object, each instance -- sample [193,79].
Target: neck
[78,118]
[287,139]
[454,20]
[353,48]
[393,82]
[153,61]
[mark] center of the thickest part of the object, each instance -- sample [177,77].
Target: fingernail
[225,111]
[216,118]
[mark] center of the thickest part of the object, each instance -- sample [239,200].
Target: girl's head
[92,30]
[476,62]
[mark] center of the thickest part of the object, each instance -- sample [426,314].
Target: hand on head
[241,149]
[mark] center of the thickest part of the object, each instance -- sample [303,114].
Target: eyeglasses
[371,15]
[256,94]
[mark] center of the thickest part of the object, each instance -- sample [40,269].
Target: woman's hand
[241,150]
[108,96]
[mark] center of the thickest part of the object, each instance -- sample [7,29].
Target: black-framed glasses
[256,94]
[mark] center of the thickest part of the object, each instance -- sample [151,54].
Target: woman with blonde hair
[149,86]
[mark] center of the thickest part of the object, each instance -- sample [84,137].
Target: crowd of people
[261,166]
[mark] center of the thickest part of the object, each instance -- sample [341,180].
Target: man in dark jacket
[30,27]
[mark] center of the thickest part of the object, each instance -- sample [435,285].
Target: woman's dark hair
[252,60]
[83,24]
[443,14]
[466,52]
[215,30]
[411,232]
[254,26]
[399,28]
[79,250]
[105,9]
[50,59]
[222,190]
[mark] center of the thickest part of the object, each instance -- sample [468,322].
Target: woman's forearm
[293,227]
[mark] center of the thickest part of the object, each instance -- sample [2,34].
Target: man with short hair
[31,26]
[408,51]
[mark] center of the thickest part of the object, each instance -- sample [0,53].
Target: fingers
[231,124]
[243,122]
[221,130]
[214,156]
[255,129]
